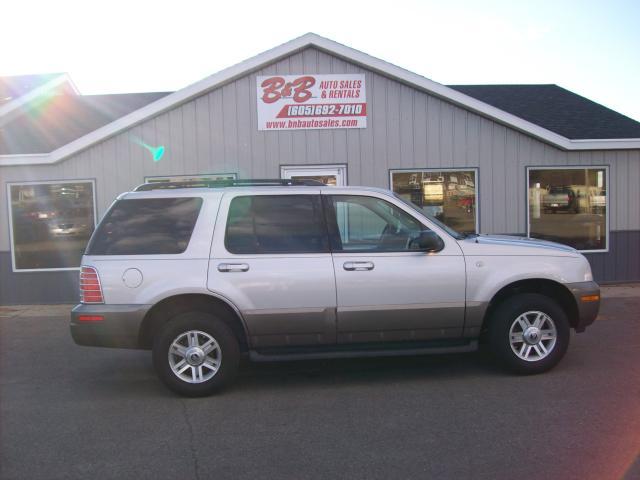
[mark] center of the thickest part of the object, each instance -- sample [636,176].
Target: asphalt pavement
[76,412]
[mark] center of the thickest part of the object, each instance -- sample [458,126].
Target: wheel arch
[171,306]
[543,286]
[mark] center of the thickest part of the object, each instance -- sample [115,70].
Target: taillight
[90,288]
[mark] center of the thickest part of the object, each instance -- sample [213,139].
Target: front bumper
[119,327]
[587,309]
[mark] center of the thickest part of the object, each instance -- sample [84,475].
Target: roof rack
[229,183]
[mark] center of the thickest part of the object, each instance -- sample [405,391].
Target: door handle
[351,266]
[233,267]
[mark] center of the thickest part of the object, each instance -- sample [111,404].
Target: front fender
[487,275]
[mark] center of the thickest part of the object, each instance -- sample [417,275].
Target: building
[518,159]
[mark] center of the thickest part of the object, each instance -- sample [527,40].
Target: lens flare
[156,152]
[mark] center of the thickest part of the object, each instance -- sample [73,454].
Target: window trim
[571,167]
[476,186]
[46,182]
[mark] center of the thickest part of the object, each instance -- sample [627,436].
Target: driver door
[386,289]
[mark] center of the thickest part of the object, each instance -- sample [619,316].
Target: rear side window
[146,227]
[276,224]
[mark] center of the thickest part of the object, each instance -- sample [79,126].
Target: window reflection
[448,195]
[147,226]
[326,179]
[262,224]
[191,178]
[372,225]
[51,223]
[569,206]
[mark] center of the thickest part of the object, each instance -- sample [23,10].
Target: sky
[589,47]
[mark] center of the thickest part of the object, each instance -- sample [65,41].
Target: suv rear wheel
[529,333]
[196,354]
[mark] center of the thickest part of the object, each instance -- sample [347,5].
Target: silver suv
[205,273]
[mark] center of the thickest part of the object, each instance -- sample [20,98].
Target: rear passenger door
[270,256]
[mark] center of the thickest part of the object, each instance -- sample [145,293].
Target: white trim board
[333,48]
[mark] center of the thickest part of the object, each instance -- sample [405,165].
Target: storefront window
[191,178]
[51,223]
[569,205]
[448,195]
[334,175]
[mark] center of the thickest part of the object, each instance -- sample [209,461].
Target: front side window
[446,195]
[146,226]
[51,223]
[369,224]
[264,224]
[569,205]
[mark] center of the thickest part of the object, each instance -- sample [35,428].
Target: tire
[200,371]
[531,351]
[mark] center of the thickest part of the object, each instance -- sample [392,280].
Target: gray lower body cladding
[119,327]
[587,310]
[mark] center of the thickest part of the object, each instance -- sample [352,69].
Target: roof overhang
[336,49]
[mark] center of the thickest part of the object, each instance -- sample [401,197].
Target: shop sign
[302,102]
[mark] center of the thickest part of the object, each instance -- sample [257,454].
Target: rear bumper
[587,309]
[119,327]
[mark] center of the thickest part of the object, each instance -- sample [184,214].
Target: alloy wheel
[533,336]
[195,356]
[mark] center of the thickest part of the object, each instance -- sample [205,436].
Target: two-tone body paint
[405,295]
[314,299]
[496,261]
[285,299]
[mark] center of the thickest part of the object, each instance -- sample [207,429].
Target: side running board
[314,353]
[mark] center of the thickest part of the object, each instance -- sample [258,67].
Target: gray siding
[217,133]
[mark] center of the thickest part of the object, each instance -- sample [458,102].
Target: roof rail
[229,183]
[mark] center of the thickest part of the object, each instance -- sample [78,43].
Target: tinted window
[276,224]
[368,224]
[146,226]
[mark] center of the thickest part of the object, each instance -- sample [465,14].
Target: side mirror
[427,241]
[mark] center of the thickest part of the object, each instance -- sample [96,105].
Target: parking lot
[74,412]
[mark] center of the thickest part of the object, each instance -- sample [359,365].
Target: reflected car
[69,228]
[560,199]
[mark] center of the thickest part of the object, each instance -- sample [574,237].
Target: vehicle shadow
[139,378]
[355,371]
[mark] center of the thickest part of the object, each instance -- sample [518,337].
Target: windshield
[446,228]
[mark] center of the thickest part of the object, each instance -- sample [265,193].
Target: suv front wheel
[195,354]
[529,333]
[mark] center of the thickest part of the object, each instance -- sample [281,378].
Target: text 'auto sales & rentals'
[298,102]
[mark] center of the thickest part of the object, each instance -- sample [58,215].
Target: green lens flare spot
[157,152]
